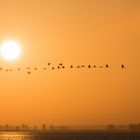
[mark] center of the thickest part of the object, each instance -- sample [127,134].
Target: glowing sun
[10,50]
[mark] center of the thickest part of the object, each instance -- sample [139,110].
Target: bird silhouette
[122,66]
[107,66]
[49,64]
[29,72]
[35,68]
[1,69]
[89,66]
[71,66]
[78,66]
[52,68]
[45,68]
[61,64]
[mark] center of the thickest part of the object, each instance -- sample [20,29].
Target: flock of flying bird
[60,66]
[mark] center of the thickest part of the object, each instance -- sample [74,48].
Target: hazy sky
[72,32]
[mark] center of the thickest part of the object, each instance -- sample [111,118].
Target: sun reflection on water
[16,136]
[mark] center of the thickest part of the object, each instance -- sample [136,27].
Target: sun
[10,50]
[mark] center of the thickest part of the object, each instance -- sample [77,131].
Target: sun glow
[10,50]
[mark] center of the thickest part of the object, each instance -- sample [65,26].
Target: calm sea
[69,135]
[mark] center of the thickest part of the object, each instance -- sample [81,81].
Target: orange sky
[72,32]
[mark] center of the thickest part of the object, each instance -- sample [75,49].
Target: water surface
[68,135]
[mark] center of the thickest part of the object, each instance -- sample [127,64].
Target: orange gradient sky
[72,32]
